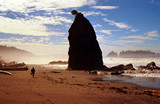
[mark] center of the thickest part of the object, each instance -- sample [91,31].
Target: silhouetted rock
[84,51]
[117,72]
[152,65]
[149,66]
[142,67]
[58,62]
[128,67]
[112,54]
[120,68]
[93,72]
[117,68]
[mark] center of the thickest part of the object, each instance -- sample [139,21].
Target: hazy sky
[41,26]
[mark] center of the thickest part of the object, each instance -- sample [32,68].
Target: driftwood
[6,72]
[14,68]
[152,92]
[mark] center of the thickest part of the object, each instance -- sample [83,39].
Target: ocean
[109,62]
[144,78]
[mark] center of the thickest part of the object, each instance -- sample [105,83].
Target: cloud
[101,38]
[148,36]
[152,34]
[27,39]
[47,5]
[119,25]
[44,39]
[138,37]
[125,42]
[107,31]
[105,7]
[155,2]
[97,26]
[35,47]
[134,30]
[152,1]
[93,13]
[32,26]
[57,12]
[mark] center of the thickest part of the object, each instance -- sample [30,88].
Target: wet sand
[52,86]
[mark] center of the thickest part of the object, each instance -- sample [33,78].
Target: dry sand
[67,87]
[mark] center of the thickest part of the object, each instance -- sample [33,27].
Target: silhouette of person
[32,71]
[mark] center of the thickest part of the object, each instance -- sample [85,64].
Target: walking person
[32,72]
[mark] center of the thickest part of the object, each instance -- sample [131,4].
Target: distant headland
[14,54]
[134,54]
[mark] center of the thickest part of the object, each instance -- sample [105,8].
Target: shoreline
[52,86]
[142,76]
[135,80]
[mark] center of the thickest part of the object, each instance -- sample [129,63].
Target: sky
[41,26]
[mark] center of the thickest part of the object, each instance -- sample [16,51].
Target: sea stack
[84,51]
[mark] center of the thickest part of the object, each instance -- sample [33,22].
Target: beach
[52,86]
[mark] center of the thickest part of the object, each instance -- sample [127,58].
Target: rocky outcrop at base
[129,67]
[122,67]
[152,65]
[149,66]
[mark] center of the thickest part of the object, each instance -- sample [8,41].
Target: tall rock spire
[84,51]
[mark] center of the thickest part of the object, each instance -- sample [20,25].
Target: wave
[109,62]
[56,66]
